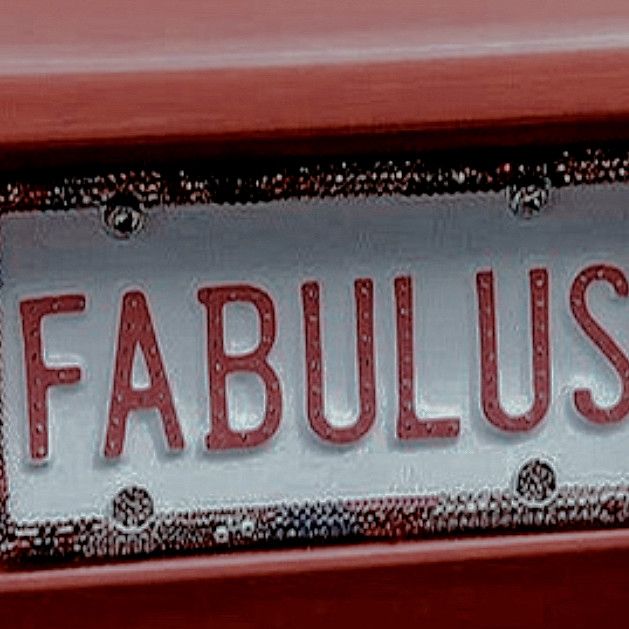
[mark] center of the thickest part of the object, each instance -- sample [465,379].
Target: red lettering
[39,377]
[220,365]
[136,331]
[363,291]
[409,425]
[489,353]
[583,401]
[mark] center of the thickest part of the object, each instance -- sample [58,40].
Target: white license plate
[305,371]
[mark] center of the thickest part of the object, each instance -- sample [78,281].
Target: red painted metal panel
[558,580]
[74,71]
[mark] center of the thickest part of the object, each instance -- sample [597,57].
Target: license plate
[303,372]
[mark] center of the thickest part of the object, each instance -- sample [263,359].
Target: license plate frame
[350,520]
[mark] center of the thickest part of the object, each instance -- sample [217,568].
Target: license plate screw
[529,200]
[536,482]
[132,507]
[123,216]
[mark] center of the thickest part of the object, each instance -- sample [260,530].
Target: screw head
[526,201]
[124,216]
[536,482]
[132,507]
